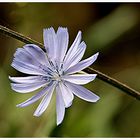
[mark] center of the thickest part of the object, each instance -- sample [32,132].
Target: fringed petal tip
[97,99]
[36,115]
[19,105]
[9,77]
[60,28]
[47,29]
[96,54]
[59,122]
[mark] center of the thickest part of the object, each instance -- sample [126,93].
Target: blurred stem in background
[104,32]
[101,76]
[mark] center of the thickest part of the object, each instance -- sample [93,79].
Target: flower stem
[100,75]
[18,36]
[130,91]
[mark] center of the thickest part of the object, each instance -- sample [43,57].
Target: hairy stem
[100,75]
[18,36]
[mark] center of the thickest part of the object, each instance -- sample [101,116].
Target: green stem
[101,76]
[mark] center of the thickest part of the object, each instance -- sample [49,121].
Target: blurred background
[113,29]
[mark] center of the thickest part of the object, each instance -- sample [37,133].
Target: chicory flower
[56,70]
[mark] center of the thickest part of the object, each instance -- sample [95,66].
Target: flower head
[57,69]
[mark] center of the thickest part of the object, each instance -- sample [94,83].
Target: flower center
[56,76]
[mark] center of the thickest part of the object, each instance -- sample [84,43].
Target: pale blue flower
[57,70]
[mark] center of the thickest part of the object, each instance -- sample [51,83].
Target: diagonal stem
[18,36]
[100,75]
[130,91]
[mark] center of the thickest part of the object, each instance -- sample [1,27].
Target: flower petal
[26,63]
[27,87]
[63,39]
[34,98]
[22,55]
[45,101]
[27,79]
[37,53]
[60,106]
[82,92]
[66,94]
[50,42]
[27,68]
[83,64]
[77,56]
[80,79]
[73,47]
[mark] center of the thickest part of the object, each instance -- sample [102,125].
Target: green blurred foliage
[114,31]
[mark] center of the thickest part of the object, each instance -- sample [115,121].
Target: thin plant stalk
[128,90]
